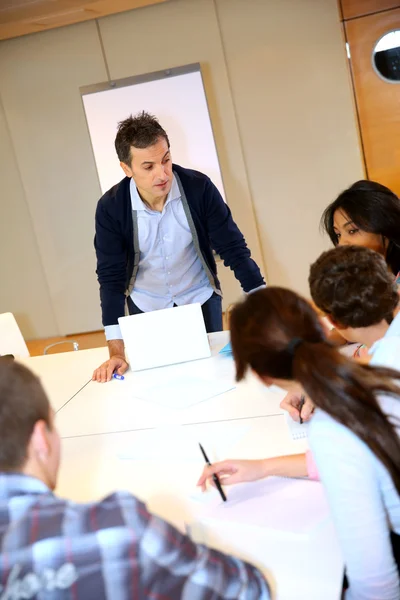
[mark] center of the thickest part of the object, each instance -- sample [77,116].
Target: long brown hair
[263,328]
[372,207]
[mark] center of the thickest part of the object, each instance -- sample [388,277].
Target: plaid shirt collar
[18,484]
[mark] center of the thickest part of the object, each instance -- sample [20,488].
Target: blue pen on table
[302,401]
[116,376]
[215,477]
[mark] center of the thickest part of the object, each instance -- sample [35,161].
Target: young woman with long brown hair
[366,214]
[354,434]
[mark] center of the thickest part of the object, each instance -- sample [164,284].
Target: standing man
[155,233]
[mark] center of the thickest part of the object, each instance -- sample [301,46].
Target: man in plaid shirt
[55,549]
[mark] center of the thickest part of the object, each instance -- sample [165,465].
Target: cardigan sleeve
[111,265]
[227,240]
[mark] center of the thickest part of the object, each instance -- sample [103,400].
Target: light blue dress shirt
[170,270]
[363,499]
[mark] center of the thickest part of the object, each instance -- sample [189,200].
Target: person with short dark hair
[354,288]
[354,434]
[155,235]
[51,547]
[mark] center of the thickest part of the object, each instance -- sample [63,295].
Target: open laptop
[165,337]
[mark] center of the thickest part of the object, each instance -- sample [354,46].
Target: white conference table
[114,440]
[115,406]
[64,374]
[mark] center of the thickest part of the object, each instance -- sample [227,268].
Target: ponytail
[278,335]
[348,392]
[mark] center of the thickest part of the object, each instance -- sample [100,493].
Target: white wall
[280,103]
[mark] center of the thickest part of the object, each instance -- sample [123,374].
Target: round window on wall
[386,57]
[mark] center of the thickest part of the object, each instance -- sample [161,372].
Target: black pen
[302,400]
[215,477]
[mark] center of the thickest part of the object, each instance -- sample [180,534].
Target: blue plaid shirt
[55,549]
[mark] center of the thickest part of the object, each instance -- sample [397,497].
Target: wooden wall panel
[359,8]
[378,101]
[21,17]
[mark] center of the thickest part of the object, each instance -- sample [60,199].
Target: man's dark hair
[372,207]
[141,131]
[353,286]
[23,402]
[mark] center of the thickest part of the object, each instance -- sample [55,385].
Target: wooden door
[378,100]
[358,8]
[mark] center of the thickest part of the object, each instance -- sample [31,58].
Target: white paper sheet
[181,386]
[296,431]
[291,506]
[181,443]
[185,391]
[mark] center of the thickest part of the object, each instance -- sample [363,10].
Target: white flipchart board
[176,97]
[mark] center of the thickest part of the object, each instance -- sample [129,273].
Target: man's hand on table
[115,364]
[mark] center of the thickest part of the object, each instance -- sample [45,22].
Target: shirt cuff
[113,332]
[312,470]
[260,287]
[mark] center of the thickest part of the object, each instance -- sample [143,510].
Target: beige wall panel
[176,33]
[293,98]
[40,76]
[23,289]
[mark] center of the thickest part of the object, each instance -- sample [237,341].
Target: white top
[364,503]
[170,270]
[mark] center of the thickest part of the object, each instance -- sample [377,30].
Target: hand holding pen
[215,477]
[299,406]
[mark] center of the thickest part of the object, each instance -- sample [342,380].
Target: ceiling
[20,17]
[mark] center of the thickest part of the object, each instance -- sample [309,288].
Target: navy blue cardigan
[213,223]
